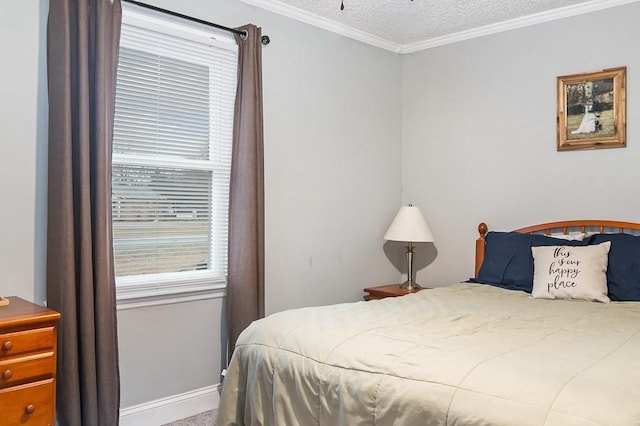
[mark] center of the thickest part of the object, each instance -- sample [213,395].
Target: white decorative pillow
[568,272]
[574,237]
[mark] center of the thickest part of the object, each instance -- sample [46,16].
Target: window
[171,156]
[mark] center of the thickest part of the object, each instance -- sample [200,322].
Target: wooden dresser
[27,364]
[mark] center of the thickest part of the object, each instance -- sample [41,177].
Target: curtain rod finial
[265,40]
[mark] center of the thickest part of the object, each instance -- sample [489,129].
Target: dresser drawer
[20,369]
[29,404]
[26,341]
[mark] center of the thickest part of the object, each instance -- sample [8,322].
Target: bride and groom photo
[591,110]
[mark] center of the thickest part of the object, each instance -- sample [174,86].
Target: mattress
[466,354]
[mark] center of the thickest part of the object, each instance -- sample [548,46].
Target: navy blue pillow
[508,262]
[623,270]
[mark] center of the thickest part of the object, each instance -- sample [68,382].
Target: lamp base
[410,285]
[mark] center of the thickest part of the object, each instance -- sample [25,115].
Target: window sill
[145,296]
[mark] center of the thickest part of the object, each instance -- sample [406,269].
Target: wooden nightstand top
[390,290]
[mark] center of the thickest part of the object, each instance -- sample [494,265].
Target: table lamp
[409,226]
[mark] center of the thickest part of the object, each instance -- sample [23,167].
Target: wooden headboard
[564,227]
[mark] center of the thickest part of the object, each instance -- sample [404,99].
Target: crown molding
[336,27]
[324,23]
[525,21]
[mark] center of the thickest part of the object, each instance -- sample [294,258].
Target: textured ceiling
[407,22]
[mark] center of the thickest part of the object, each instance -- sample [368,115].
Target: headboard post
[480,245]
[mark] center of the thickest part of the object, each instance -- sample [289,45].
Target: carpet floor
[208,418]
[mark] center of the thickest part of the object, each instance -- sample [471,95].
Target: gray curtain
[245,289]
[82,53]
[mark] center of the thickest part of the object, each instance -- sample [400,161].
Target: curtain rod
[265,39]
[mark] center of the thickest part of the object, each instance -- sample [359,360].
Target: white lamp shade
[409,225]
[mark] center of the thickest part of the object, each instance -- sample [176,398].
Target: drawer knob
[6,374]
[6,346]
[30,409]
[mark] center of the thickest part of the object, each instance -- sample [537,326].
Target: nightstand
[27,363]
[391,290]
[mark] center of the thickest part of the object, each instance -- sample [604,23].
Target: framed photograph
[592,110]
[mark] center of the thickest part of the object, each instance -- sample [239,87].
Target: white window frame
[150,289]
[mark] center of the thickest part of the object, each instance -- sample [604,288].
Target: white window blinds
[171,156]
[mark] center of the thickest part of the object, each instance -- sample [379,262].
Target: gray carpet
[208,418]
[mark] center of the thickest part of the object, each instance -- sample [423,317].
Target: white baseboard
[172,408]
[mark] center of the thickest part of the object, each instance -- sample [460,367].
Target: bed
[484,352]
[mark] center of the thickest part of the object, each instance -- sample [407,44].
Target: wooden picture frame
[592,110]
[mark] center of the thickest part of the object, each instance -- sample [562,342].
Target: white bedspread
[461,355]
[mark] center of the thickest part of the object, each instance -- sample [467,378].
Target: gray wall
[333,129]
[23,149]
[479,134]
